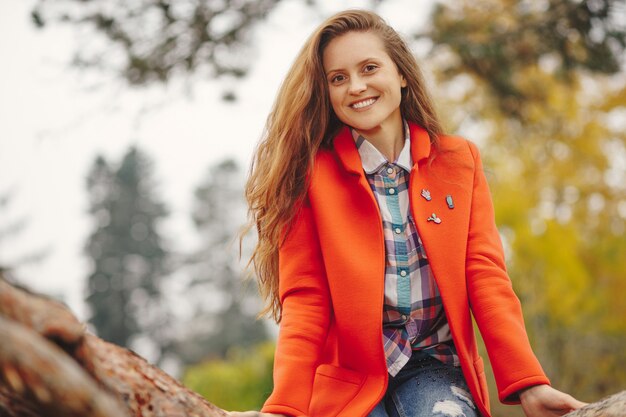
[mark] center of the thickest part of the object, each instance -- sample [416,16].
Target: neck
[387,138]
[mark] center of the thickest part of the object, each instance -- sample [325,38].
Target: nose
[357,85]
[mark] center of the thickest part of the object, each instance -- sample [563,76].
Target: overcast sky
[55,120]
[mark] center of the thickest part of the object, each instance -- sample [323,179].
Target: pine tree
[126,251]
[224,306]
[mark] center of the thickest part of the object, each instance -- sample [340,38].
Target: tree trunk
[50,367]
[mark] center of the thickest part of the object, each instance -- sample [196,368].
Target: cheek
[335,100]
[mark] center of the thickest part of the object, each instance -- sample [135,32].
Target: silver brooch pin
[433,218]
[449,201]
[426,194]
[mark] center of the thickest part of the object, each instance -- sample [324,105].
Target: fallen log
[613,406]
[50,366]
[44,375]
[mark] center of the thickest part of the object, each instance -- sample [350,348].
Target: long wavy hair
[300,123]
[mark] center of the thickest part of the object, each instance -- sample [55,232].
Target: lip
[351,105]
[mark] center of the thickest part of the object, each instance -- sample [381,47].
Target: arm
[306,313]
[499,315]
[495,306]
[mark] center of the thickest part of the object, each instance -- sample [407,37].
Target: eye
[336,79]
[370,68]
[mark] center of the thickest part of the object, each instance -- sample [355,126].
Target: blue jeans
[426,387]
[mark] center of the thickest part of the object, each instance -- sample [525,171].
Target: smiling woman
[377,244]
[365,89]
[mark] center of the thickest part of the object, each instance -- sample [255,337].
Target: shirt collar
[372,159]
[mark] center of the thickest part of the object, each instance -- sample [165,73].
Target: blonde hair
[300,123]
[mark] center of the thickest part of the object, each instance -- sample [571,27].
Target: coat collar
[349,155]
[372,159]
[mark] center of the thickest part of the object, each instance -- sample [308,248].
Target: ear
[402,81]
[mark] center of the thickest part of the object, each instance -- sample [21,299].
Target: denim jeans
[426,387]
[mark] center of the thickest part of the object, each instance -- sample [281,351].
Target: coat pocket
[333,389]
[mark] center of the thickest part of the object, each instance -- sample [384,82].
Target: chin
[363,126]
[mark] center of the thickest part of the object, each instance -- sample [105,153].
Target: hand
[545,401]
[253,414]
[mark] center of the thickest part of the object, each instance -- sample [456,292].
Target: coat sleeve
[305,299]
[495,306]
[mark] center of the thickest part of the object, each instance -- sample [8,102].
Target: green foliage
[552,129]
[152,41]
[496,39]
[242,381]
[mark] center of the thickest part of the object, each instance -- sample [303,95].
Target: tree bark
[613,406]
[50,367]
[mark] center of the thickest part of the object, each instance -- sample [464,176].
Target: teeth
[364,103]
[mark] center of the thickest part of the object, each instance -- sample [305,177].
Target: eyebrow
[358,64]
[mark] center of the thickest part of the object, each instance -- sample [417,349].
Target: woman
[376,240]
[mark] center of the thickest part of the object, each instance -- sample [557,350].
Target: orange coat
[329,357]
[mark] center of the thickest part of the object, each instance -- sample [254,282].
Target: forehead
[352,48]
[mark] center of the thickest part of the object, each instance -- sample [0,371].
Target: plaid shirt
[413,314]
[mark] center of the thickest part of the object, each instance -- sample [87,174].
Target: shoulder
[454,143]
[456,151]
[326,169]
[324,158]
[324,163]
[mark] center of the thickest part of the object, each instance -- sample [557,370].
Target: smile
[364,103]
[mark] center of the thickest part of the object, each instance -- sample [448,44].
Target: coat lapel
[444,242]
[362,283]
[351,160]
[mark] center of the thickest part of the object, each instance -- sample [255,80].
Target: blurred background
[127,127]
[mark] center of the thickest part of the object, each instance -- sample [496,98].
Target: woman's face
[363,82]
